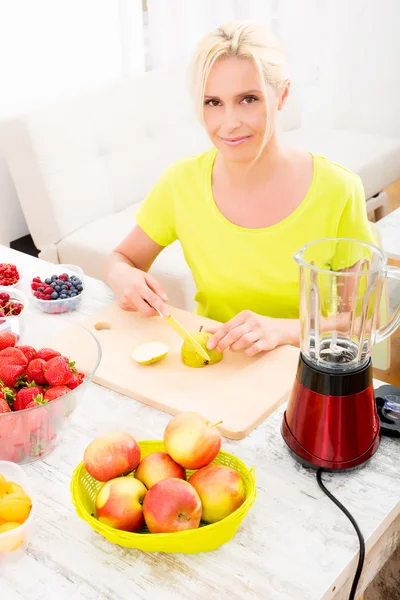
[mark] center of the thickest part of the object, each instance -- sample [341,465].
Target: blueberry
[40,289]
[54,296]
[78,281]
[58,288]
[59,282]
[63,296]
[79,287]
[73,294]
[48,281]
[73,289]
[54,277]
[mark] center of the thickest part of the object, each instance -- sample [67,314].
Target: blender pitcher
[331,419]
[341,283]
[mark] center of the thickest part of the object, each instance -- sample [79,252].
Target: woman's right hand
[138,291]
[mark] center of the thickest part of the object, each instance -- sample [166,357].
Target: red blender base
[331,420]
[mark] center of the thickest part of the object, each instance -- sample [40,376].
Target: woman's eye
[249,99]
[211,102]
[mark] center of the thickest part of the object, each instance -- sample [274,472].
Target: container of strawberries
[40,386]
[10,275]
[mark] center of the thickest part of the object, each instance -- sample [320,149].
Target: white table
[293,545]
[389,228]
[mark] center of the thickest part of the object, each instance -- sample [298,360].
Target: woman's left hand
[251,333]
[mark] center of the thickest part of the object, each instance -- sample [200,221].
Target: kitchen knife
[184,334]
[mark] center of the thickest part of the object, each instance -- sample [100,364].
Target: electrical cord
[356,527]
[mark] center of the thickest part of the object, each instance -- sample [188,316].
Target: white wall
[367,66]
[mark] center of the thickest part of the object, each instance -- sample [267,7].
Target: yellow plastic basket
[207,537]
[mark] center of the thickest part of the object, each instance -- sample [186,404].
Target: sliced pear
[192,358]
[149,353]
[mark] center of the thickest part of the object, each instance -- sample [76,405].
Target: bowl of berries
[59,292]
[10,275]
[12,304]
[41,382]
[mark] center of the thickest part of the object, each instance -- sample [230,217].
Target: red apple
[119,503]
[171,505]
[190,441]
[221,490]
[156,467]
[111,455]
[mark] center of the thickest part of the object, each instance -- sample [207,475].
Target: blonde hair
[243,40]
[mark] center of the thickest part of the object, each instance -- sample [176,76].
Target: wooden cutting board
[241,391]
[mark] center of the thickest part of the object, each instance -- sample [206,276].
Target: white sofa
[82,165]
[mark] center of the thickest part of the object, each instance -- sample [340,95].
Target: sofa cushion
[376,159]
[89,246]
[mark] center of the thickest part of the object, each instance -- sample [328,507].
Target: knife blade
[180,330]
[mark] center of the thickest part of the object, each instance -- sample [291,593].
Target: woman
[241,209]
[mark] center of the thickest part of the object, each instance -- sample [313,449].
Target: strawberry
[7,339]
[35,419]
[57,371]
[13,356]
[74,381]
[47,353]
[55,392]
[26,395]
[29,352]
[35,372]
[7,394]
[4,407]
[8,452]
[11,374]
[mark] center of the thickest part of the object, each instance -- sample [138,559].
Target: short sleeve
[353,224]
[354,220]
[156,214]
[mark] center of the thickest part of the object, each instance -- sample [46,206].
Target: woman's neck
[248,174]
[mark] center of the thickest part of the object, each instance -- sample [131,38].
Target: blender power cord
[356,527]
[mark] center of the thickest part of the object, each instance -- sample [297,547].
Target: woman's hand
[251,333]
[139,291]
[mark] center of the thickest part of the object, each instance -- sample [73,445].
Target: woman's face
[234,108]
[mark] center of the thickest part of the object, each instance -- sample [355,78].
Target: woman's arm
[125,271]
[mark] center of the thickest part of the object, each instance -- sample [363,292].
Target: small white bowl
[56,307]
[16,540]
[14,285]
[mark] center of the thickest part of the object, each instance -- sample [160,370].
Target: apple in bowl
[111,455]
[158,466]
[191,440]
[119,503]
[172,505]
[221,491]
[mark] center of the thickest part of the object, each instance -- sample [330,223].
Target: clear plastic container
[28,435]
[15,541]
[56,307]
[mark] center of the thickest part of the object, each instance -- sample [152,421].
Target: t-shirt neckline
[293,215]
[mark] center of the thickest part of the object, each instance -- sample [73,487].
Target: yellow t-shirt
[236,268]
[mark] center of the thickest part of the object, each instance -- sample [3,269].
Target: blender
[331,420]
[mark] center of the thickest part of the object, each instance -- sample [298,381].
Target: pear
[149,353]
[192,358]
